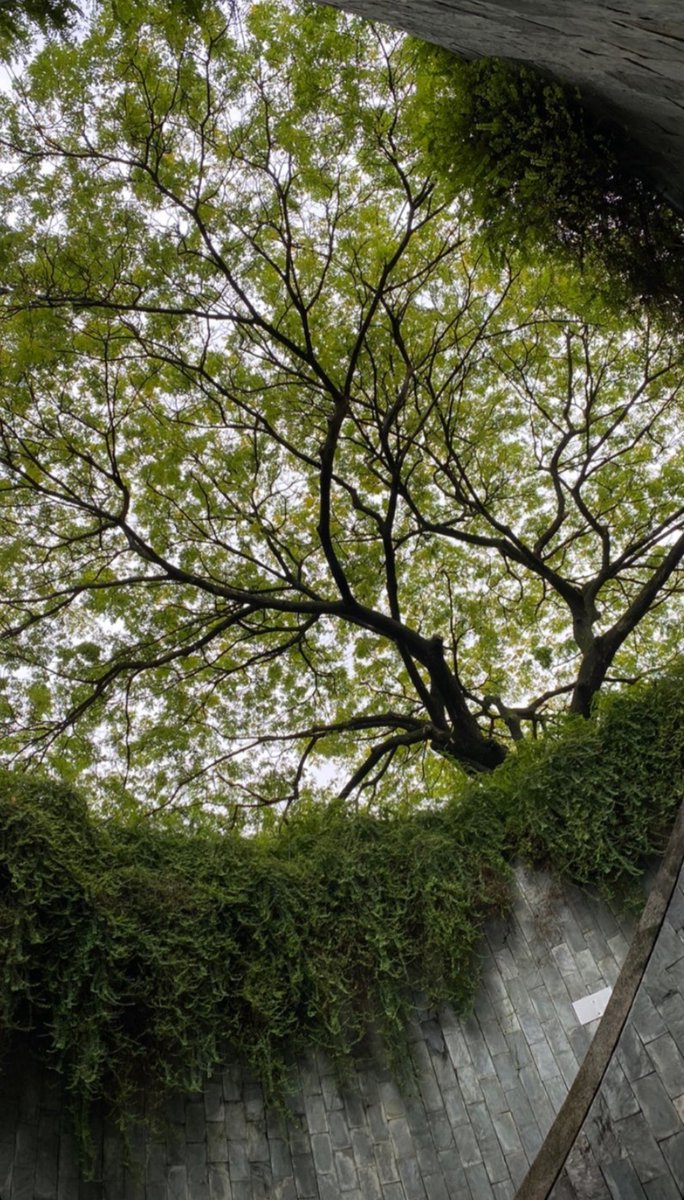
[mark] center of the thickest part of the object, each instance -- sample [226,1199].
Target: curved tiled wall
[626,56]
[486,1091]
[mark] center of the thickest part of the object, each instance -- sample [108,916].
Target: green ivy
[138,958]
[543,170]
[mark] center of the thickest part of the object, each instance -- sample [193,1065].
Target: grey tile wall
[627,56]
[631,1146]
[486,1090]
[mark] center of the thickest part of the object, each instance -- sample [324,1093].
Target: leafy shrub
[543,170]
[595,799]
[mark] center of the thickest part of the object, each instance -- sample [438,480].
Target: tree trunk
[595,663]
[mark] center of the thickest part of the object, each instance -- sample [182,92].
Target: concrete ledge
[560,1139]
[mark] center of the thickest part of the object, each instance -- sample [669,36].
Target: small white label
[591,1007]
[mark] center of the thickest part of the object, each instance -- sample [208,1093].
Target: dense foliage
[296,485]
[19,20]
[144,955]
[544,170]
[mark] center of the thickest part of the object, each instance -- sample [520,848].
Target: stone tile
[339,1130]
[393,1191]
[217,1143]
[213,1100]
[458,1048]
[507,1133]
[544,1008]
[494,1096]
[518,1166]
[623,1181]
[285,1189]
[309,1076]
[671,1010]
[519,1049]
[411,1179]
[609,968]
[668,1063]
[257,1143]
[426,1155]
[619,945]
[281,1158]
[231,1081]
[469,1083]
[354,1110]
[668,949]
[520,998]
[466,1145]
[219,1184]
[391,1100]
[673,1149]
[316,1114]
[454,1106]
[238,1162]
[436,1187]
[478,1182]
[369,1183]
[196,1161]
[243,1190]
[385,1162]
[493,1036]
[477,1047]
[177,1183]
[617,1092]
[401,1138]
[433,1037]
[195,1121]
[416,1115]
[632,1055]
[582,1174]
[507,1070]
[531,1139]
[321,1148]
[580,1039]
[531,1026]
[600,1133]
[304,1175]
[658,1109]
[592,977]
[454,1174]
[330,1090]
[377,1123]
[346,1170]
[645,1018]
[519,1105]
[504,1191]
[638,1143]
[663,1188]
[235,1120]
[440,1128]
[430,1093]
[543,1058]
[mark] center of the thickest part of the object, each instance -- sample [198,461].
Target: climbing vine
[137,957]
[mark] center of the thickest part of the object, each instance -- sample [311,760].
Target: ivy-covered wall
[484,1092]
[626,57]
[138,958]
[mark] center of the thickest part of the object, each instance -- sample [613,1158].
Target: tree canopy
[291,469]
